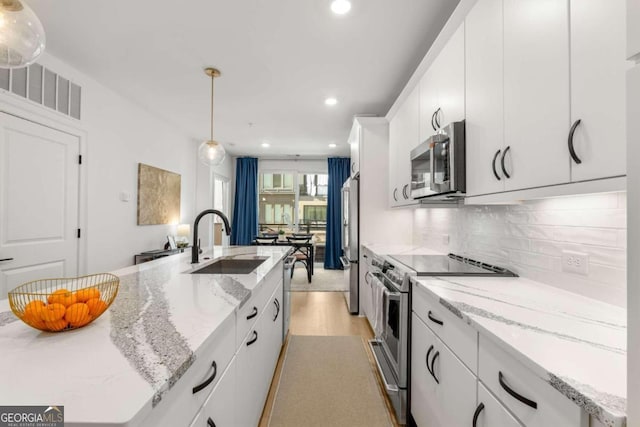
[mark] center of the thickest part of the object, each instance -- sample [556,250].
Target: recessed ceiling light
[266,144]
[330,101]
[332,145]
[340,7]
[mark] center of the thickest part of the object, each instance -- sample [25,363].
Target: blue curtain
[245,206]
[338,174]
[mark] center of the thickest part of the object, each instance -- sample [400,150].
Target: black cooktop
[450,265]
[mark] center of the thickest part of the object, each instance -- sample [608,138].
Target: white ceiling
[279,60]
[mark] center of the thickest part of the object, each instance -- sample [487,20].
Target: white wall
[303,166]
[529,238]
[121,134]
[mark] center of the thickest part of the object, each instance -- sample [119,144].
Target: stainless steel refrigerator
[350,242]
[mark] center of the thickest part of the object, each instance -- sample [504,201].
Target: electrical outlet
[575,262]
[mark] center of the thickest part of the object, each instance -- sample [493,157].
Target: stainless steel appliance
[438,164]
[349,259]
[391,344]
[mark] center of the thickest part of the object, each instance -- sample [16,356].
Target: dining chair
[301,253]
[265,240]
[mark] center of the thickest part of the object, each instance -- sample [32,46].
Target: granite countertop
[576,344]
[119,366]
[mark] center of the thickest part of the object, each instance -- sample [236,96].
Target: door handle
[572,151]
[432,119]
[6,259]
[433,372]
[477,414]
[434,320]
[253,314]
[395,193]
[504,169]
[493,164]
[208,381]
[436,116]
[210,422]
[404,191]
[277,304]
[254,339]
[353,167]
[515,395]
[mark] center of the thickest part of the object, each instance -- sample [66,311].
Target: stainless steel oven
[390,346]
[438,164]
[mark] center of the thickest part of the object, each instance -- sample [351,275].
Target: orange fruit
[62,296]
[84,295]
[86,319]
[56,325]
[34,320]
[52,312]
[96,306]
[76,312]
[34,308]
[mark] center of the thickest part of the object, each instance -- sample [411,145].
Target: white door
[39,174]
[598,68]
[536,92]
[428,103]
[484,98]
[394,147]
[491,413]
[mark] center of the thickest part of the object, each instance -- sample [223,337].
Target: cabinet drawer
[551,407]
[252,309]
[180,404]
[220,409]
[443,390]
[457,335]
[491,413]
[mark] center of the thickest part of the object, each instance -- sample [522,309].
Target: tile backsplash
[529,238]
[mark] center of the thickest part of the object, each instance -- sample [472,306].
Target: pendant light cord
[212,77]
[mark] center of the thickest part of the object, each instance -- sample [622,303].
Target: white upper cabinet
[354,142]
[442,88]
[536,93]
[598,69]
[449,68]
[484,98]
[404,136]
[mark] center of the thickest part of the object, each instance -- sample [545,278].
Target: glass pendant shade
[22,38]
[211,153]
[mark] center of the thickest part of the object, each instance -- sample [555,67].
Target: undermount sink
[232,266]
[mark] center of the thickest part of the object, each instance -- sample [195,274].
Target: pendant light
[211,152]
[22,38]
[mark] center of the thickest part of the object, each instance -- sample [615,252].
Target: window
[293,202]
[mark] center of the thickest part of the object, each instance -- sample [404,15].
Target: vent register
[44,87]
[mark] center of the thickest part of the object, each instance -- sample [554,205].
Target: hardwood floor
[325,314]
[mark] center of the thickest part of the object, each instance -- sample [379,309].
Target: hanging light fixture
[22,38]
[211,152]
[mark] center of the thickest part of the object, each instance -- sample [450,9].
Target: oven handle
[393,388]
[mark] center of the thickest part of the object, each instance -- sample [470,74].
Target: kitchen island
[152,347]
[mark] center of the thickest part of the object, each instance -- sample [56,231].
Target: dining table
[296,245]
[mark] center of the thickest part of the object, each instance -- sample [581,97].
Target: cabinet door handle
[432,121]
[433,372]
[253,314]
[515,395]
[495,172]
[210,422]
[504,169]
[254,339]
[366,276]
[6,259]
[395,193]
[572,151]
[426,359]
[353,166]
[208,381]
[434,320]
[477,414]
[404,191]
[437,119]
[277,304]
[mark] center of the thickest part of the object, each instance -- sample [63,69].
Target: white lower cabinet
[443,390]
[219,410]
[490,412]
[256,361]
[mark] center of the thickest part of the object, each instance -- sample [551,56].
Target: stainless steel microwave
[438,165]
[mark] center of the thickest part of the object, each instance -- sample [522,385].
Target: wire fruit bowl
[55,305]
